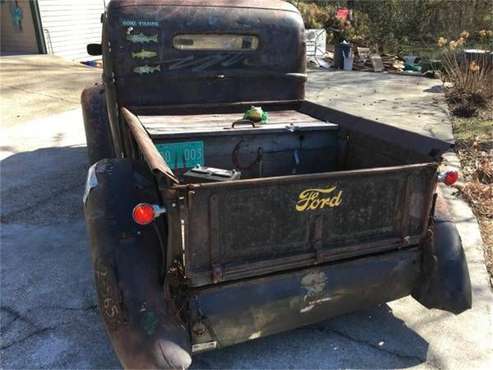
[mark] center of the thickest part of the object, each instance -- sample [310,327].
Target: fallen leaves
[480,196]
[476,155]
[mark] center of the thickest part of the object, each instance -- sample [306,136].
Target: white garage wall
[69,25]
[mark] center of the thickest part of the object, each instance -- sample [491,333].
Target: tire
[96,124]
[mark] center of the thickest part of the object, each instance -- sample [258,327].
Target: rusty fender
[140,318]
[96,124]
[445,282]
[227,314]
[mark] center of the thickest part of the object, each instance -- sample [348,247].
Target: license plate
[182,155]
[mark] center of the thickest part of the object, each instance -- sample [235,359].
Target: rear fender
[140,317]
[445,283]
[96,124]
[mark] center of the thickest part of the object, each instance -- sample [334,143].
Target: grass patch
[467,130]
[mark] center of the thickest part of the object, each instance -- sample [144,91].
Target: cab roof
[253,4]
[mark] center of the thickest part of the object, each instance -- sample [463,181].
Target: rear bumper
[233,313]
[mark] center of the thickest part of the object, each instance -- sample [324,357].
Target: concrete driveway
[49,317]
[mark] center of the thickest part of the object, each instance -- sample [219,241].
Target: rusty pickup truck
[223,207]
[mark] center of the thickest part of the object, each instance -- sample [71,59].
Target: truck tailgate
[253,227]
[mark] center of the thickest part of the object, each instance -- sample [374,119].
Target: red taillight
[143,214]
[449,178]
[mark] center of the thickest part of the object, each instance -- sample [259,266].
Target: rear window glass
[215,42]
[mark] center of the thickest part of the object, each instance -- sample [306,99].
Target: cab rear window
[215,42]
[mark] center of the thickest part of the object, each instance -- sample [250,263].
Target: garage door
[69,26]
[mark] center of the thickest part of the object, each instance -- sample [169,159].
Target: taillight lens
[144,214]
[449,178]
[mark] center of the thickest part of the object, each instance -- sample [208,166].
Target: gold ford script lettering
[313,199]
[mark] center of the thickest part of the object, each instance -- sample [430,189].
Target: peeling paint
[314,303]
[307,309]
[314,283]
[150,322]
[91,182]
[321,300]
[255,335]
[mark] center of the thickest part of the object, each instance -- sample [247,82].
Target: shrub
[314,16]
[471,79]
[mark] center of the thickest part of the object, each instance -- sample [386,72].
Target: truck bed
[317,186]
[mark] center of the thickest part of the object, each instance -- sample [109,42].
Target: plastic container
[347,56]
[348,63]
[342,51]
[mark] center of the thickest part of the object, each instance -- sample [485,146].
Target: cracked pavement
[48,312]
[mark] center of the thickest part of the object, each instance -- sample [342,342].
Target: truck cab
[222,206]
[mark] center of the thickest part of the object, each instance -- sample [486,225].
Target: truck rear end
[327,220]
[255,227]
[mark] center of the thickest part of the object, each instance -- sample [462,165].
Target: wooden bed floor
[162,125]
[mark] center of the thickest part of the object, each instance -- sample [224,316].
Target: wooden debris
[367,62]
[378,63]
